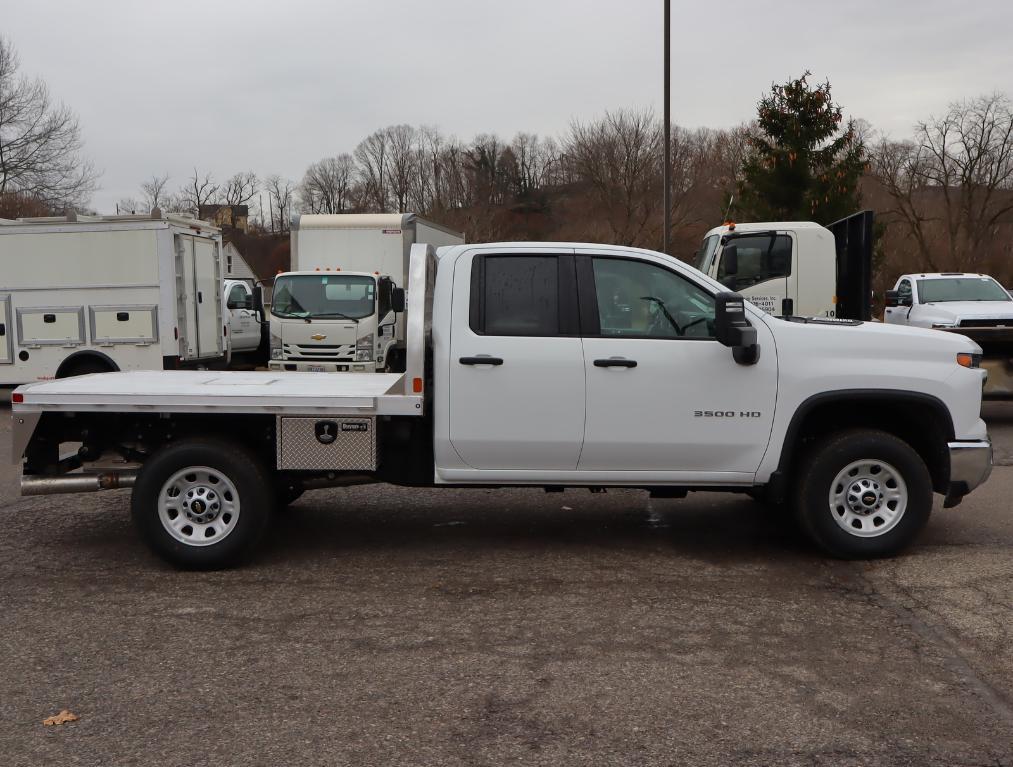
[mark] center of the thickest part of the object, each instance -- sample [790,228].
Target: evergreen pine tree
[802,166]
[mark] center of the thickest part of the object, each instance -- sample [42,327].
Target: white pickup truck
[973,305]
[549,365]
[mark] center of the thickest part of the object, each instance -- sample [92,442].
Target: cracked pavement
[382,626]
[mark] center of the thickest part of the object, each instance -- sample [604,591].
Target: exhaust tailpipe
[76,483]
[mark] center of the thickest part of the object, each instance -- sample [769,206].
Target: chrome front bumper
[970,466]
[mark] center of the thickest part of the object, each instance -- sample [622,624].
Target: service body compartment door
[199,300]
[6,336]
[209,297]
[134,324]
[51,326]
[524,409]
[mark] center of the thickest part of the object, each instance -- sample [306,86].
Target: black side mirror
[397,299]
[258,298]
[731,328]
[730,260]
[892,298]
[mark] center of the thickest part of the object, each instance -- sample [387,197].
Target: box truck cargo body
[96,294]
[338,309]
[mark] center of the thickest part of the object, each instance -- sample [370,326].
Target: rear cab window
[523,295]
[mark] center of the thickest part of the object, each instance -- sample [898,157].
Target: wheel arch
[922,420]
[87,355]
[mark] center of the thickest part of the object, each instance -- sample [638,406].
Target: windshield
[324,296]
[961,289]
[703,256]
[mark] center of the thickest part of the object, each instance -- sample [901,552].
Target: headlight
[276,353]
[362,355]
[366,342]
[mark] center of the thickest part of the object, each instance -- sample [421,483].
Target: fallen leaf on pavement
[62,718]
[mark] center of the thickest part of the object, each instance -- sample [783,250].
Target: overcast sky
[274,86]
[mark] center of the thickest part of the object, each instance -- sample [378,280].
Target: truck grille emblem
[318,336]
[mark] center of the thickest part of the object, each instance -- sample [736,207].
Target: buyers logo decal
[326,431]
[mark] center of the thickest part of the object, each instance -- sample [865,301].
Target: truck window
[706,252]
[515,296]
[761,258]
[642,300]
[904,291]
[324,296]
[237,297]
[961,289]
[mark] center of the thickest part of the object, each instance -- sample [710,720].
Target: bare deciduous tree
[40,142]
[373,157]
[327,185]
[199,190]
[954,182]
[154,191]
[619,157]
[240,188]
[280,193]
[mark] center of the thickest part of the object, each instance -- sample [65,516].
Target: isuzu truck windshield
[324,296]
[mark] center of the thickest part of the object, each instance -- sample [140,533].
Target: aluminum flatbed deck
[223,392]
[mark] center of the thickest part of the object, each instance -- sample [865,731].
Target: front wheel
[202,504]
[863,494]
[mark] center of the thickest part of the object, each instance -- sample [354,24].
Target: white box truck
[341,307]
[105,293]
[541,364]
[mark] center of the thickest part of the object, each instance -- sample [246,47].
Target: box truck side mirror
[731,328]
[397,299]
[730,261]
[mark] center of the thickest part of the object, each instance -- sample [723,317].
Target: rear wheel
[863,494]
[201,503]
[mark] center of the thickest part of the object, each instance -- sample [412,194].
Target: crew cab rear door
[516,360]
[662,393]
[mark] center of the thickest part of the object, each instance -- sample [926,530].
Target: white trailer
[340,308]
[97,294]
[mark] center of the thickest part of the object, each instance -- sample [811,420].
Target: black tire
[235,465]
[85,367]
[816,478]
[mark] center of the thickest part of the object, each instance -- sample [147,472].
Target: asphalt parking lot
[381,626]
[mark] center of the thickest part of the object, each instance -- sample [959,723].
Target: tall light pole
[668,121]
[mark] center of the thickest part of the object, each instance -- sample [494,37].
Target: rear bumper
[970,466]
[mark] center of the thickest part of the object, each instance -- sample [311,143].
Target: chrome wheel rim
[198,506]
[868,498]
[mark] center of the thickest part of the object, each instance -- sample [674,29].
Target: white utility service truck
[341,307]
[796,267]
[973,305]
[87,294]
[541,364]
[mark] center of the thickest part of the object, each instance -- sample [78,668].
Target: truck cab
[795,267]
[334,321]
[973,305]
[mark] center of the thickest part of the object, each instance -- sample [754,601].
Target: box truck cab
[795,267]
[334,321]
[340,309]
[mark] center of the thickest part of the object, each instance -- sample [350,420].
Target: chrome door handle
[481,360]
[615,362]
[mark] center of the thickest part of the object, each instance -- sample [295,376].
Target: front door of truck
[516,361]
[763,273]
[662,394]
